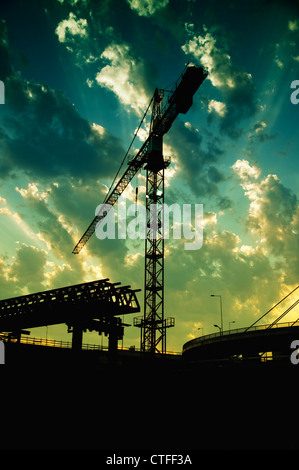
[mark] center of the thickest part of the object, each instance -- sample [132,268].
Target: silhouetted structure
[258,343]
[150,156]
[92,306]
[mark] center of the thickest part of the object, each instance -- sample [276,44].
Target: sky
[78,77]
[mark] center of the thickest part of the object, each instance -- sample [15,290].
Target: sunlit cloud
[293,25]
[218,107]
[68,30]
[124,76]
[147,7]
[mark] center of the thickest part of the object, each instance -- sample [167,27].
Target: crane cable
[135,135]
[271,309]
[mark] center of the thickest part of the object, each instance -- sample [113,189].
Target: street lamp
[201,328]
[230,324]
[216,295]
[218,327]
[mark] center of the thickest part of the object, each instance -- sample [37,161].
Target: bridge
[92,306]
[258,343]
[254,342]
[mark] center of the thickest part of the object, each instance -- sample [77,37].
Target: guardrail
[202,339]
[48,342]
[24,339]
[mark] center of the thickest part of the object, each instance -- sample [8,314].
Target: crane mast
[153,324]
[150,156]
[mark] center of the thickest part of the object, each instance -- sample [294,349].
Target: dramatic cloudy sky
[78,77]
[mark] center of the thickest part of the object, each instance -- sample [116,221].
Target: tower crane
[150,157]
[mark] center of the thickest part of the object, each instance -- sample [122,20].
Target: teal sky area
[78,77]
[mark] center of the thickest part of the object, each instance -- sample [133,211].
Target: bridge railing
[196,341]
[25,339]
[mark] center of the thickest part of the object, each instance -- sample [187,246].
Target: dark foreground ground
[55,402]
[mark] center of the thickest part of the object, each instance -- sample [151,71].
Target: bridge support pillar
[116,333]
[77,337]
[113,341]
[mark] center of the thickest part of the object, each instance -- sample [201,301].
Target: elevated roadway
[257,343]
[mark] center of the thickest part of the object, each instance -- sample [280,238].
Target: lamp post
[218,327]
[216,295]
[230,324]
[201,328]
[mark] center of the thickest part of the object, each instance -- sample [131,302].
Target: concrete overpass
[258,343]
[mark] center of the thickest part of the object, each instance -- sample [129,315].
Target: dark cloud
[199,160]
[25,273]
[236,86]
[42,133]
[259,133]
[76,201]
[8,287]
[5,62]
[28,269]
[51,226]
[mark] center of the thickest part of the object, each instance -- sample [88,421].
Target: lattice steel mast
[150,156]
[153,324]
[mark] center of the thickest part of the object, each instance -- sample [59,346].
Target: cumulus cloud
[218,107]
[48,222]
[147,7]
[197,160]
[80,33]
[28,268]
[246,172]
[71,28]
[236,85]
[59,158]
[24,273]
[31,271]
[266,263]
[7,284]
[127,76]
[259,133]
[273,216]
[239,272]
[59,215]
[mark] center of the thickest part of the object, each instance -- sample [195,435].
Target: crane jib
[179,101]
